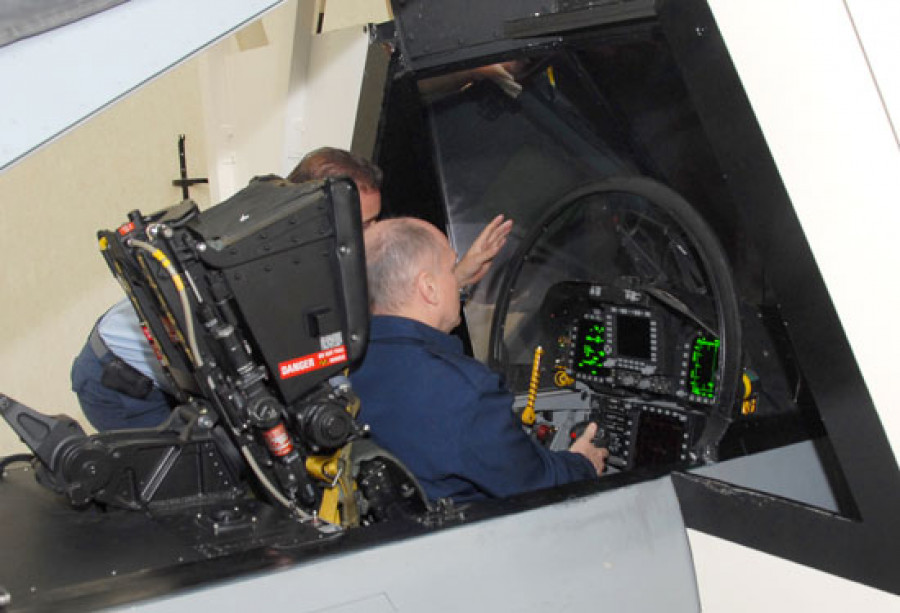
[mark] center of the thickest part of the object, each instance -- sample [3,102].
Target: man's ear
[427,287]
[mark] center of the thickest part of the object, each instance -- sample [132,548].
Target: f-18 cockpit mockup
[657,283]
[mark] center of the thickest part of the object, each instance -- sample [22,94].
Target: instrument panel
[646,365]
[616,340]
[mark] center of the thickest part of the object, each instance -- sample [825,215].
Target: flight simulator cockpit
[644,288]
[630,294]
[620,301]
[255,308]
[634,292]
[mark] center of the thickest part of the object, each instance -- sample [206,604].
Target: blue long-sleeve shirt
[449,418]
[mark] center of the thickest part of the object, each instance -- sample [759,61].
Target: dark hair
[330,162]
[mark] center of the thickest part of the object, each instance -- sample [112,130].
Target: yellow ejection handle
[528,415]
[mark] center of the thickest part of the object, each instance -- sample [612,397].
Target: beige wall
[346,13]
[54,282]
[229,102]
[244,81]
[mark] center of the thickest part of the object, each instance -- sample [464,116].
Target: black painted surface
[47,546]
[696,131]
[56,557]
[863,550]
[69,556]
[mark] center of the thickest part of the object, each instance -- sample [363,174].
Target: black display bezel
[620,360]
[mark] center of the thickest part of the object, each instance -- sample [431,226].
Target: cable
[674,303]
[182,294]
[273,491]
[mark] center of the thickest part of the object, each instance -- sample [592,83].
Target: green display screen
[704,362]
[590,354]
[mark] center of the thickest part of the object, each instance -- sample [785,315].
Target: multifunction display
[590,348]
[703,362]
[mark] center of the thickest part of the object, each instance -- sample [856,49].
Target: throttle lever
[601,439]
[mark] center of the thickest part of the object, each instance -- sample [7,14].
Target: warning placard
[313,361]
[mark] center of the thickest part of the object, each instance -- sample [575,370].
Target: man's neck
[419,315]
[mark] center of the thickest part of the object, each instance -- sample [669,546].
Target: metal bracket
[184,182]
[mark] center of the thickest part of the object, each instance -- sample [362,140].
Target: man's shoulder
[120,324]
[467,368]
[422,348]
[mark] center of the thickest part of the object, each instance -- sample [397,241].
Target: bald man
[332,162]
[444,414]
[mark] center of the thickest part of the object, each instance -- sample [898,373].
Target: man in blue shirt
[119,382]
[117,378]
[444,414]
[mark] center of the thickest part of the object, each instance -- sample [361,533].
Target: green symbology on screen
[590,352]
[704,362]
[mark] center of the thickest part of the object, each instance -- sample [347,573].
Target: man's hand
[477,261]
[584,446]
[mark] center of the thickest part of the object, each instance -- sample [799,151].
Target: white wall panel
[55,80]
[873,20]
[809,81]
[820,110]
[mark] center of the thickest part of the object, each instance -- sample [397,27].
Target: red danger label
[126,228]
[313,361]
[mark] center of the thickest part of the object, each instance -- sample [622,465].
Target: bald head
[409,265]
